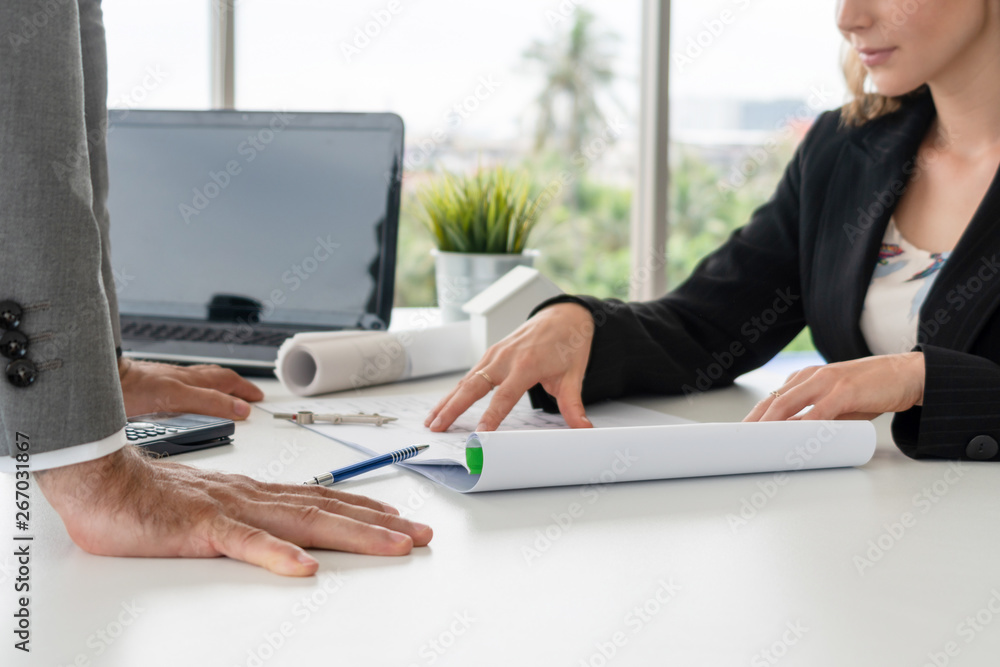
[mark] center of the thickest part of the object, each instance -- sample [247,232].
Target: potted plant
[480,224]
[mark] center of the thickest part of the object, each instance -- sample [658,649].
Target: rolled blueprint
[319,363]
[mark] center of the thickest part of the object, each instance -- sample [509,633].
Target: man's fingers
[180,397]
[310,526]
[420,533]
[469,390]
[317,491]
[252,545]
[228,381]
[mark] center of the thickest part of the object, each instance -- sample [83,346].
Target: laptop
[232,231]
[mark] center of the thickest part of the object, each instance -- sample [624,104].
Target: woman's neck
[967,97]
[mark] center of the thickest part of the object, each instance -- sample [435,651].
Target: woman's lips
[875,57]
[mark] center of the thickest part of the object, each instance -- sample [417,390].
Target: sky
[422,57]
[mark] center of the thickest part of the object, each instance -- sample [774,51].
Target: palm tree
[578,70]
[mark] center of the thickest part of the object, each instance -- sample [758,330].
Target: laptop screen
[289,218]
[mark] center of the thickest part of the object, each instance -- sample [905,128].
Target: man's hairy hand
[129,504]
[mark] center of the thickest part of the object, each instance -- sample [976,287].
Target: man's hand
[128,504]
[856,389]
[204,389]
[551,348]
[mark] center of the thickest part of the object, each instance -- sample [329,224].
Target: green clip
[474,459]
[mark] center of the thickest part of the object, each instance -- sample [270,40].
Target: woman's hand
[204,389]
[856,389]
[552,348]
[128,504]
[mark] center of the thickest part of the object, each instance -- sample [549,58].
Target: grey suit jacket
[54,253]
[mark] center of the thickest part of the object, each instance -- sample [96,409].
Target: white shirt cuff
[68,455]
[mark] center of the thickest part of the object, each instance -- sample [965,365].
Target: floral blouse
[903,277]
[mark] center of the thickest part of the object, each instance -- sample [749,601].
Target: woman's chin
[891,86]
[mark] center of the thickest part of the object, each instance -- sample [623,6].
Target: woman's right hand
[551,348]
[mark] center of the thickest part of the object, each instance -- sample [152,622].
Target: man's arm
[52,251]
[50,240]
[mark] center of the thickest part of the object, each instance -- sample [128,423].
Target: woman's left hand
[856,389]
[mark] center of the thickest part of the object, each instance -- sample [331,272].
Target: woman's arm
[960,415]
[740,307]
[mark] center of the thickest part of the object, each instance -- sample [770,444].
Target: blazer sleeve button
[21,373]
[982,447]
[10,315]
[13,344]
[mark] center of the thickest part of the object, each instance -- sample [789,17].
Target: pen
[334,476]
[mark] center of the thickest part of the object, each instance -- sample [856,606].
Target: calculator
[170,433]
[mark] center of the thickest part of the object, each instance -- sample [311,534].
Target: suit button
[10,315]
[13,345]
[21,373]
[982,447]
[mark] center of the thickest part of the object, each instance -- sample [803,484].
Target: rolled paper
[323,362]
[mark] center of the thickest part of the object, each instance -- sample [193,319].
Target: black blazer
[806,258]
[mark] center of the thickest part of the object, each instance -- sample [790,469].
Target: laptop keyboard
[193,332]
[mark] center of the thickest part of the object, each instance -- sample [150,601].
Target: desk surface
[880,565]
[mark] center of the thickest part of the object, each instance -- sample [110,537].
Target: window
[747,79]
[463,77]
[158,53]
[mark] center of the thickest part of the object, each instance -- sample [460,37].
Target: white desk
[475,598]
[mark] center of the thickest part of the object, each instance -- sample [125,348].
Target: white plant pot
[459,276]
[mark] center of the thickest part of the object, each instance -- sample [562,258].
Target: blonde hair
[865,106]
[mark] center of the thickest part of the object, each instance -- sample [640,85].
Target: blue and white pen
[334,476]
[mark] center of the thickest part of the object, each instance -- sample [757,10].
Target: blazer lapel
[869,179]
[967,290]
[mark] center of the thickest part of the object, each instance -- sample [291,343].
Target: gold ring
[486,377]
[776,394]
